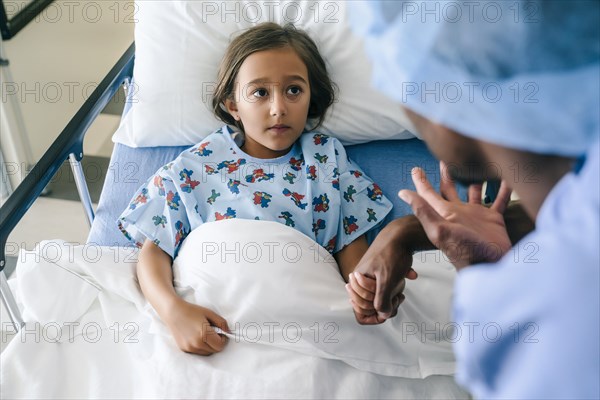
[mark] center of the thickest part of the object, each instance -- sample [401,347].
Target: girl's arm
[349,256]
[191,325]
[156,278]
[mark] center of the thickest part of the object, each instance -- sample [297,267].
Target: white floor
[49,219]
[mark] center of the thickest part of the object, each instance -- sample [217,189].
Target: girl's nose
[278,106]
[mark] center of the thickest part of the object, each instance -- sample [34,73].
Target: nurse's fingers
[412,274]
[502,199]
[474,195]
[447,184]
[425,213]
[396,301]
[424,188]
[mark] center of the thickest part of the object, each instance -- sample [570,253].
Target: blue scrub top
[530,323]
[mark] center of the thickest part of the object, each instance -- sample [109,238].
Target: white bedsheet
[90,332]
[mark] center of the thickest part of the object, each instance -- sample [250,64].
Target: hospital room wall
[58,59]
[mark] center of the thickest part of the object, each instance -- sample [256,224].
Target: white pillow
[179,45]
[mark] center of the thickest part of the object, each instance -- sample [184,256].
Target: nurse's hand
[467,233]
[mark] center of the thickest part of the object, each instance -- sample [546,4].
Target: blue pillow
[129,168]
[387,162]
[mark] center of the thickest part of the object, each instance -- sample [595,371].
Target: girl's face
[271,99]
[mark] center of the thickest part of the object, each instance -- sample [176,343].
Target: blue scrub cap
[521,74]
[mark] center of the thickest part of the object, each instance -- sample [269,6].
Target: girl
[261,165]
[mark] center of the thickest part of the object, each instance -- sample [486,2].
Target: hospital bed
[63,297]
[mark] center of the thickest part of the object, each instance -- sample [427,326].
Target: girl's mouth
[279,128]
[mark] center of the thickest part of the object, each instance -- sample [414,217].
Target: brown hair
[268,36]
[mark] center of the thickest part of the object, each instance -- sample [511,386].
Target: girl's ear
[231,108]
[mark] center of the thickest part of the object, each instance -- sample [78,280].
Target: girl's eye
[294,90]
[260,93]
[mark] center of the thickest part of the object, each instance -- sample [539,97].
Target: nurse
[506,91]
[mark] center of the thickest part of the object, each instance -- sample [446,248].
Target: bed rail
[10,27]
[68,145]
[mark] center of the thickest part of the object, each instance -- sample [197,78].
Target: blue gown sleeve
[157,212]
[363,205]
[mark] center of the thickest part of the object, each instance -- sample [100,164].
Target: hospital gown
[314,188]
[529,323]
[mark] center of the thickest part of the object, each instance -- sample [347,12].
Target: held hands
[361,290]
[467,233]
[376,285]
[192,328]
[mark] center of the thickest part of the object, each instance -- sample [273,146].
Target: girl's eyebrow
[287,78]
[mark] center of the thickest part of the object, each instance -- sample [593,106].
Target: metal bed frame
[68,146]
[10,27]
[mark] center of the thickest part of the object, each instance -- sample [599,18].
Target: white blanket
[90,332]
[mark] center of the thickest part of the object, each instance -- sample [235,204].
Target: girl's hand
[192,328]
